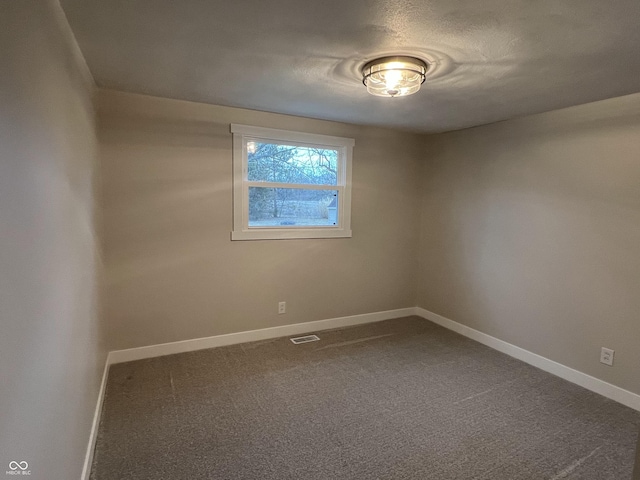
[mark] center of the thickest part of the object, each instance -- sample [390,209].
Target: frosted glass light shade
[394,76]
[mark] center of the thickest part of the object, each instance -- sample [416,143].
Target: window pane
[289,207]
[270,162]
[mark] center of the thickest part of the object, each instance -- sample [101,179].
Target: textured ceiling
[491,59]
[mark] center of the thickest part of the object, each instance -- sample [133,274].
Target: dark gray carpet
[401,399]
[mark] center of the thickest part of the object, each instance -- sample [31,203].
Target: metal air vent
[306,339]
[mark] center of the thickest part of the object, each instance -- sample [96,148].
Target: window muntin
[290,184]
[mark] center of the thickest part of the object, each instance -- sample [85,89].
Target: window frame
[241,229]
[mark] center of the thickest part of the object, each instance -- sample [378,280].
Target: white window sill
[283,234]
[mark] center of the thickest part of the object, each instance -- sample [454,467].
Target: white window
[290,184]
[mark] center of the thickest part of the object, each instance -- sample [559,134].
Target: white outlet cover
[606,356]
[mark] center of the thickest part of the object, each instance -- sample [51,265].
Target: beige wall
[531,233]
[51,358]
[171,270]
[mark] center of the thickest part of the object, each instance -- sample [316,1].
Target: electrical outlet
[282,308]
[606,356]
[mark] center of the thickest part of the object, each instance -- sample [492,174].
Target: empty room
[302,240]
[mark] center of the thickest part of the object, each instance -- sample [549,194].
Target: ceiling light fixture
[394,76]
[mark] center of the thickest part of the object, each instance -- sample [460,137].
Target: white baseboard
[88,459]
[596,385]
[119,356]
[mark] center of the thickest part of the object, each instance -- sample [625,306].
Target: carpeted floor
[401,399]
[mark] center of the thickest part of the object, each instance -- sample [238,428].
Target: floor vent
[307,339]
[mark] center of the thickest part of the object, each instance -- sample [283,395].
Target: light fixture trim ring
[397,58]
